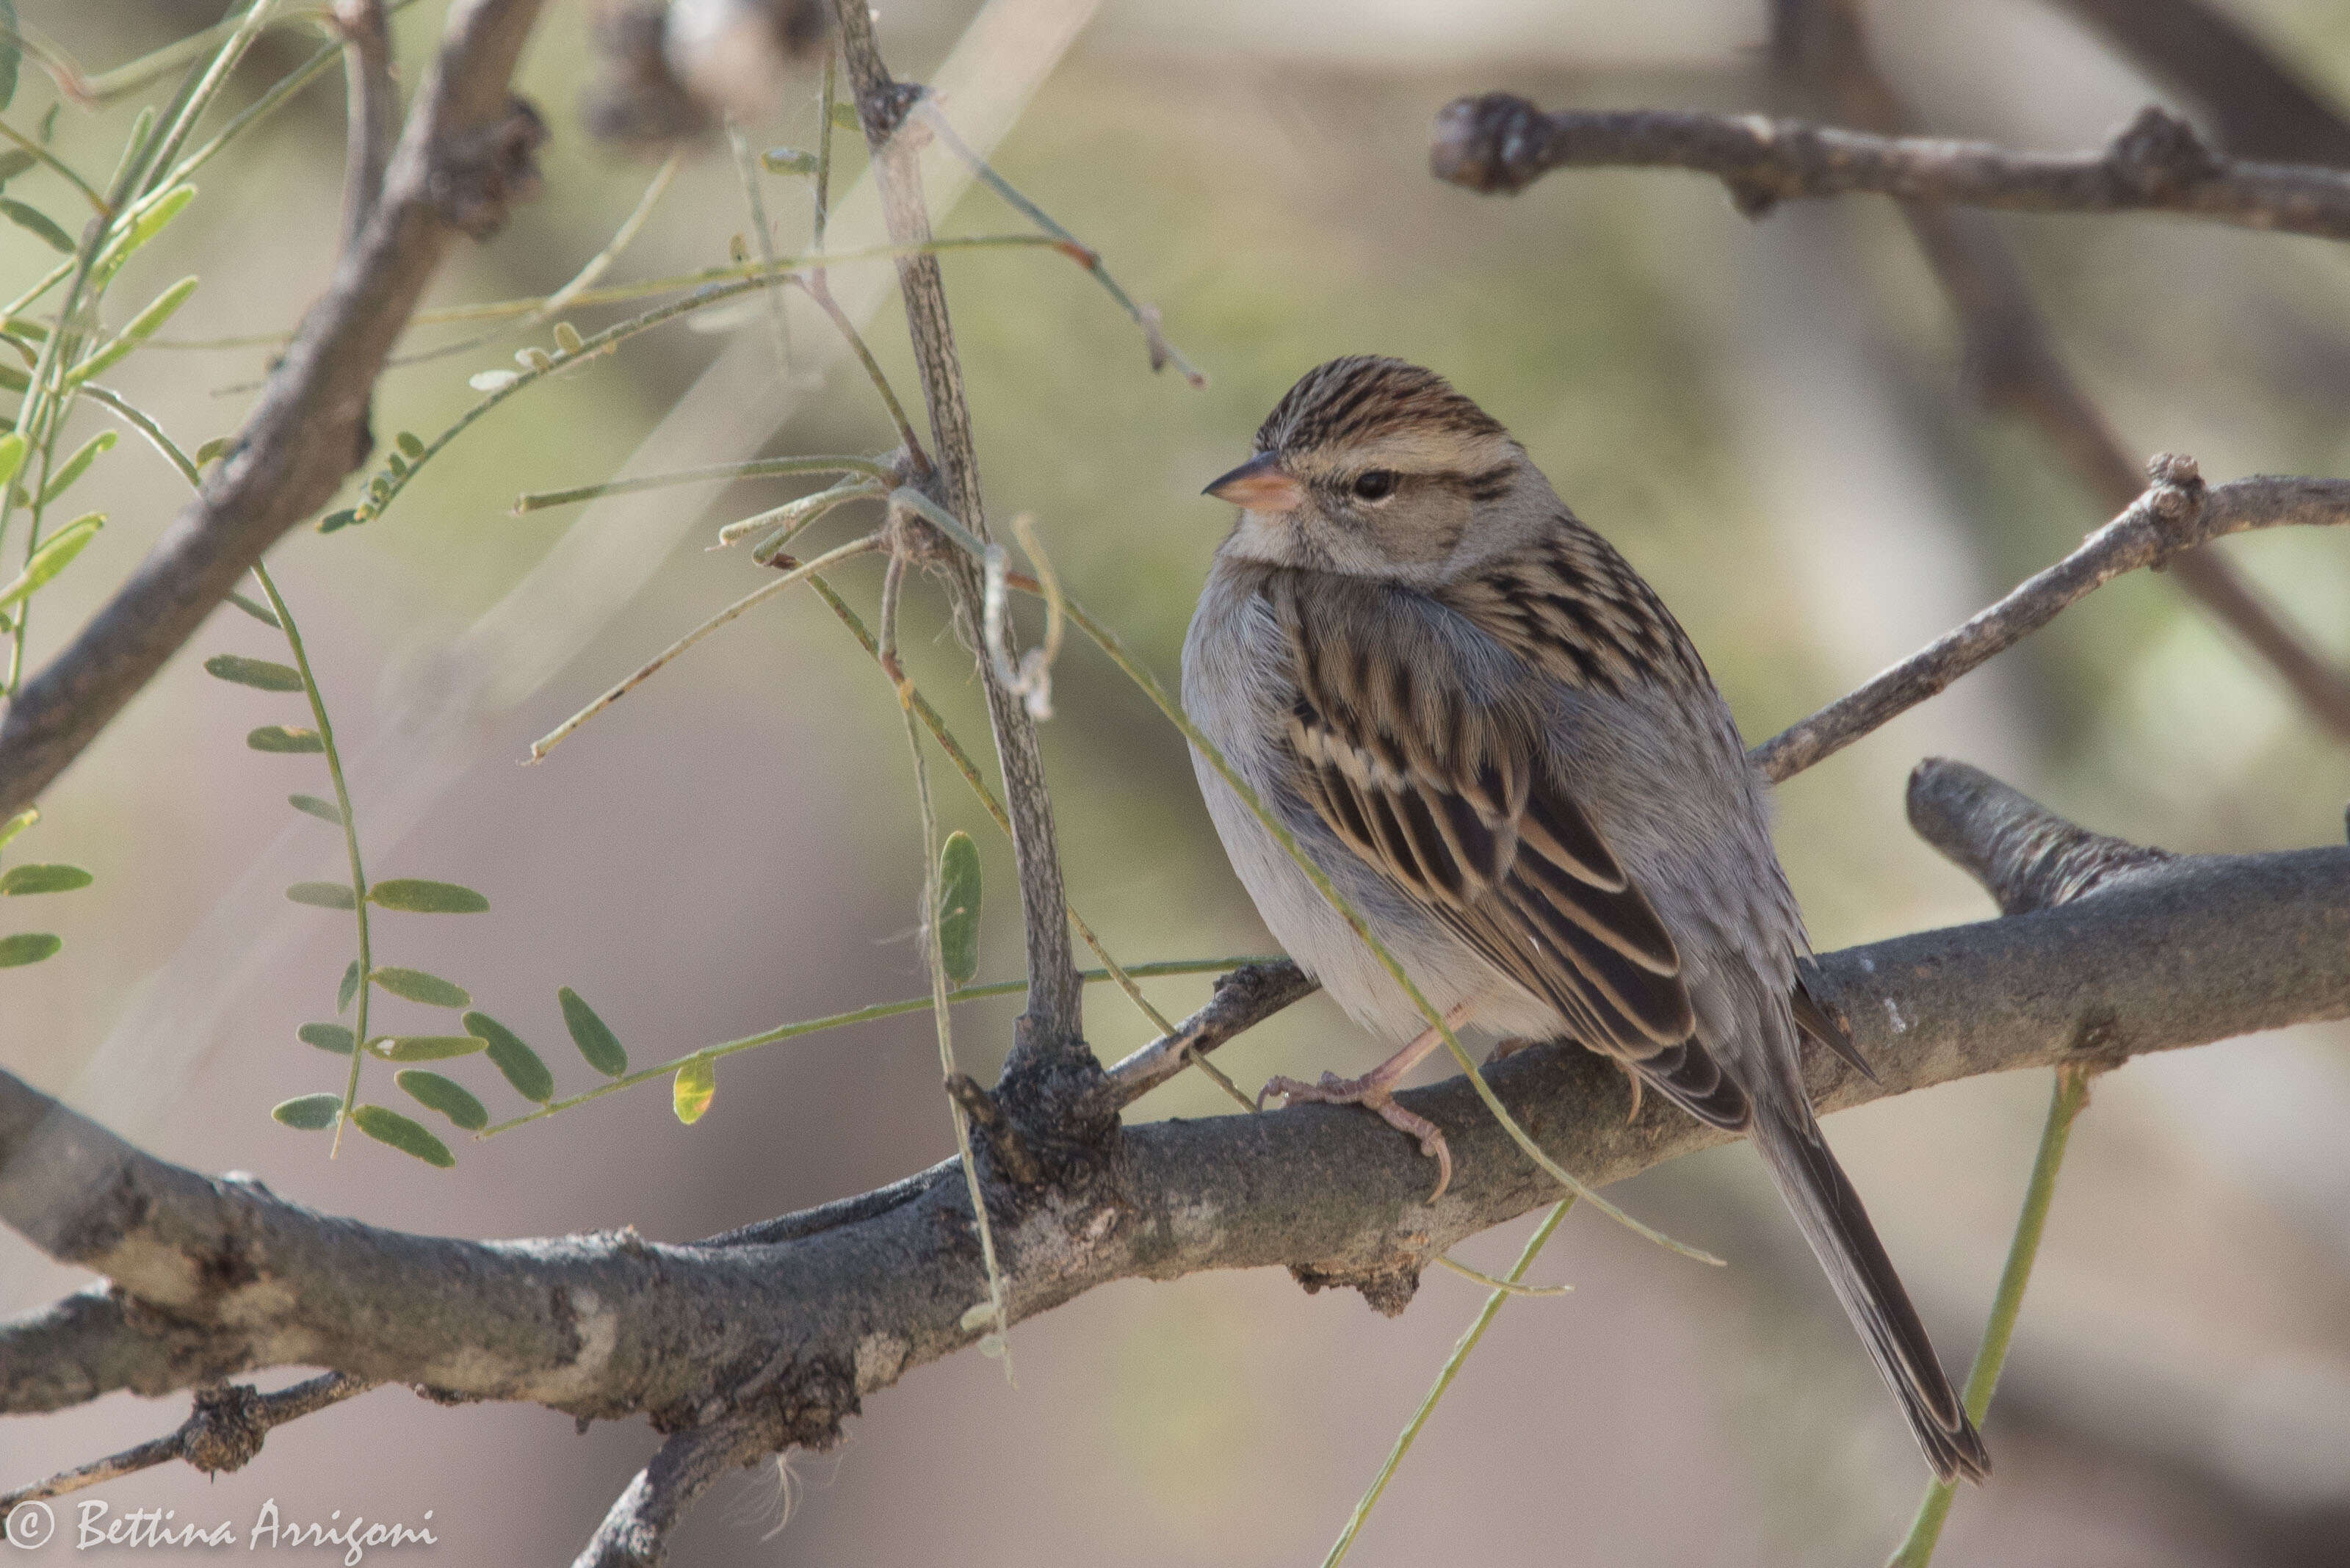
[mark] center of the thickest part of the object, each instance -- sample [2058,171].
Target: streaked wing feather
[1463,818]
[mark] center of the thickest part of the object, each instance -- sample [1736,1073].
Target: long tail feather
[1830,1214]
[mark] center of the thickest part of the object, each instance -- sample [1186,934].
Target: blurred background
[1773,422]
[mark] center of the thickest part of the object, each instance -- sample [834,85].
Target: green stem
[2070,1095]
[351,837]
[860,1015]
[971,775]
[97,201]
[1452,1364]
[934,960]
[756,468]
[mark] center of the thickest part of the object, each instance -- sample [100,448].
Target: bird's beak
[1260,484]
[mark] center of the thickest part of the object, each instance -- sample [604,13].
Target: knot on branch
[2159,155]
[479,175]
[1389,1288]
[883,113]
[1009,1149]
[2174,500]
[1488,143]
[225,1430]
[2024,855]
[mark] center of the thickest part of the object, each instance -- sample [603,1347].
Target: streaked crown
[1355,401]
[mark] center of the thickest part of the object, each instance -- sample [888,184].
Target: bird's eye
[1377,484]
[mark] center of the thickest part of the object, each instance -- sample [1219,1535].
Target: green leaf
[308,1113]
[141,231]
[38,225]
[11,52]
[959,908]
[410,443]
[592,1036]
[348,989]
[447,1095]
[135,331]
[323,895]
[54,555]
[689,1095]
[418,986]
[256,609]
[74,467]
[17,824]
[844,115]
[787,160]
[331,1037]
[423,1047]
[30,947]
[16,160]
[408,1137]
[262,674]
[12,456]
[218,447]
[418,896]
[311,806]
[333,520]
[43,879]
[517,1060]
[284,738]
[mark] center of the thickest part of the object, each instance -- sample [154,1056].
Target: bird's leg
[1632,1076]
[1375,1091]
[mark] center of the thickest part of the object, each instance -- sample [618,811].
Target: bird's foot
[1631,1076]
[1374,1096]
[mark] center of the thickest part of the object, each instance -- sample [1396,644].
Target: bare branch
[463,157]
[635,1533]
[223,1432]
[2156,164]
[1244,999]
[2025,855]
[1049,1060]
[212,1278]
[2175,515]
[372,115]
[2260,106]
[2011,361]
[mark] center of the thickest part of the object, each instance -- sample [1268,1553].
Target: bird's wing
[1449,798]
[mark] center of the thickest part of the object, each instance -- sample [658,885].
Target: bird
[1482,724]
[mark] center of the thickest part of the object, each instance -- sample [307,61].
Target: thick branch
[2175,515]
[2025,855]
[462,157]
[2157,163]
[1049,1043]
[213,1277]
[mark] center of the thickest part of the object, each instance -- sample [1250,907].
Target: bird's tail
[1829,1212]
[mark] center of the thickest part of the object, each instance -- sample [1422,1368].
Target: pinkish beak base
[1260,484]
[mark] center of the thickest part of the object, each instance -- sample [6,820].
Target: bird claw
[1374,1097]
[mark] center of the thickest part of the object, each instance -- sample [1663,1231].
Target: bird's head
[1374,467]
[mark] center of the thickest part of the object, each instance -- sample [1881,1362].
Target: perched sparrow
[1500,746]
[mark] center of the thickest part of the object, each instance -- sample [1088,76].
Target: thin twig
[2011,362]
[755,468]
[221,1433]
[371,117]
[652,666]
[2174,514]
[1050,1037]
[2155,164]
